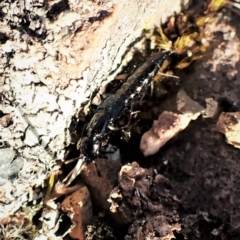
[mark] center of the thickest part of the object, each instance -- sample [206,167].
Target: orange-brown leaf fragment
[80,206]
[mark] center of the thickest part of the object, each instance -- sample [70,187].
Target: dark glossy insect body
[113,106]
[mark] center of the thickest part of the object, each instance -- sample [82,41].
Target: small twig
[168,75]
[75,172]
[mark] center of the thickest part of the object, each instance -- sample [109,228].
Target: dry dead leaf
[169,124]
[166,127]
[187,106]
[229,124]
[211,109]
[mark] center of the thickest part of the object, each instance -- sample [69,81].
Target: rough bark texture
[53,56]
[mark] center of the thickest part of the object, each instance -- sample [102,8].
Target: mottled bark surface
[54,54]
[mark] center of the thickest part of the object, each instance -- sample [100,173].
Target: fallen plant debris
[169,124]
[166,127]
[187,106]
[80,206]
[229,124]
[134,185]
[211,108]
